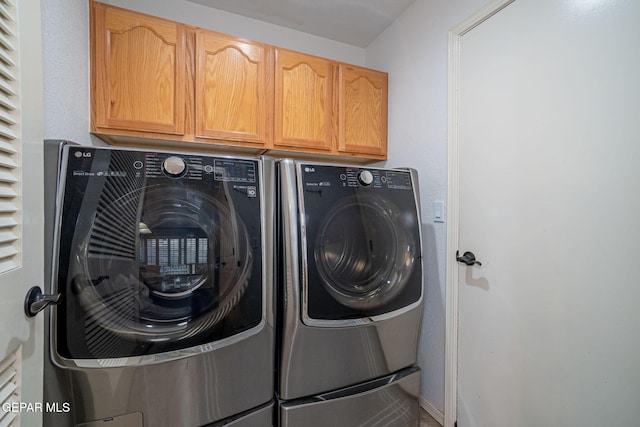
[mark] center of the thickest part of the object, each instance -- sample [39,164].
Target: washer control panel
[186,166]
[165,165]
[106,163]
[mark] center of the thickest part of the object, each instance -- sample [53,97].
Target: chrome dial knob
[365,177]
[174,166]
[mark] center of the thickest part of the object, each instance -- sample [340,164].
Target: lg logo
[79,154]
[309,169]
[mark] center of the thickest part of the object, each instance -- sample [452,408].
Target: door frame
[453,203]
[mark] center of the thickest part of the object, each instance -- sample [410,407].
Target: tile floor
[426,420]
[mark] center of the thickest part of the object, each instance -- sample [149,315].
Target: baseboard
[432,410]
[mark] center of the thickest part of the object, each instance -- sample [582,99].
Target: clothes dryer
[164,266]
[350,293]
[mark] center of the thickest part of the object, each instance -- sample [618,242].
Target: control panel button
[365,177]
[174,166]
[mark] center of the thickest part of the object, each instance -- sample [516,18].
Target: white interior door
[21,211]
[546,161]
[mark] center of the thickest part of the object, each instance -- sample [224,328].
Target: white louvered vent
[9,141]
[10,389]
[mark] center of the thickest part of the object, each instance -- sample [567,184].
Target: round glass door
[162,263]
[363,252]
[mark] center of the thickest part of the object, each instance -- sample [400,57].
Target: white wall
[65,46]
[65,28]
[413,50]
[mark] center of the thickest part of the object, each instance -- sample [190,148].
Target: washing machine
[163,264]
[350,295]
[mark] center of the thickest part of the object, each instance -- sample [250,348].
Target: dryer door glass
[363,252]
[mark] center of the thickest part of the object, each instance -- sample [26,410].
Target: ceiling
[354,22]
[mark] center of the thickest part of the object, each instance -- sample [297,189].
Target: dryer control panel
[317,177]
[377,178]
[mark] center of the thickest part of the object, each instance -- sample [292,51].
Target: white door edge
[453,191]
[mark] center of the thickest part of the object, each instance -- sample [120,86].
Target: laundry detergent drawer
[391,401]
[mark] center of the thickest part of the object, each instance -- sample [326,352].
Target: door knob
[36,301]
[467,258]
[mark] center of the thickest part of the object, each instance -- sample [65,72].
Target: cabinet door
[362,111]
[232,89]
[303,101]
[138,72]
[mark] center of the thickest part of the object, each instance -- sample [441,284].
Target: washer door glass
[162,263]
[363,252]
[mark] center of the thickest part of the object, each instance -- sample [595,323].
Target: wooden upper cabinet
[232,89]
[138,72]
[362,111]
[303,101]
[156,80]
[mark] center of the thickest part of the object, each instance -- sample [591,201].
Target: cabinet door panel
[303,101]
[362,111]
[232,78]
[139,75]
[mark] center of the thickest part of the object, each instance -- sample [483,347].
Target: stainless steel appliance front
[164,264]
[390,401]
[351,280]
